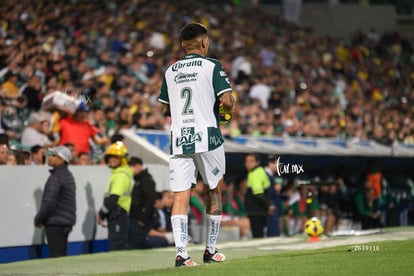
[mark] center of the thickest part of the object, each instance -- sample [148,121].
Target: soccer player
[193,90]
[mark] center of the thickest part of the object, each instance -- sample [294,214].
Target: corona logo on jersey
[313,227]
[182,64]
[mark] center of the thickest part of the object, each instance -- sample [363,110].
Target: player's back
[190,90]
[193,103]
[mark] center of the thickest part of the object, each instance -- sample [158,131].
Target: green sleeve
[315,204]
[295,208]
[196,202]
[359,203]
[240,203]
[221,82]
[164,92]
[283,208]
[227,208]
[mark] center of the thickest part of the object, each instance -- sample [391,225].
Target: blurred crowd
[372,204]
[110,56]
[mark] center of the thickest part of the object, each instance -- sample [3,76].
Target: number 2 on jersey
[187,94]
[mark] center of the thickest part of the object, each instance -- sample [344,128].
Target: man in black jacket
[58,207]
[142,204]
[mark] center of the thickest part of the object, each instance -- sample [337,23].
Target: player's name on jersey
[186,121]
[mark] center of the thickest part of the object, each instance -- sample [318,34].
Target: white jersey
[192,87]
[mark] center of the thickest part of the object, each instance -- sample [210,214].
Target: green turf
[388,253]
[393,258]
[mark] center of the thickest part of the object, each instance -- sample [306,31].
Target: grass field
[329,261]
[388,253]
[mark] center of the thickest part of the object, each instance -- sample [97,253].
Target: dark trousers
[57,240]
[258,223]
[118,228]
[369,223]
[137,235]
[139,239]
[273,225]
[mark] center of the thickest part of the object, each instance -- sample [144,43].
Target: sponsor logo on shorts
[215,171]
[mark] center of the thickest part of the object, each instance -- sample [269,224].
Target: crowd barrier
[292,145]
[20,200]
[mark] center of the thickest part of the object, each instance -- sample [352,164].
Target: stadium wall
[20,201]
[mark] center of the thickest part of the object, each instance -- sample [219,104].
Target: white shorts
[184,168]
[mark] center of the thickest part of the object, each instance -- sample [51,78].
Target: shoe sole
[185,265]
[214,261]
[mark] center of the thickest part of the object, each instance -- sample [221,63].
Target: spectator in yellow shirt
[9,88]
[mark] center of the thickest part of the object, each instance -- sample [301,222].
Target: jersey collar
[192,56]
